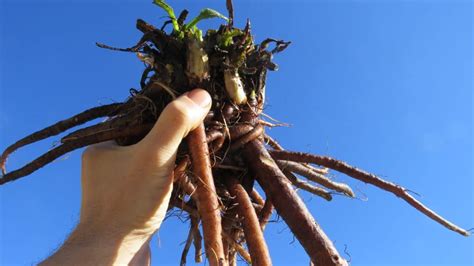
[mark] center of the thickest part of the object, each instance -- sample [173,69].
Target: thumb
[175,122]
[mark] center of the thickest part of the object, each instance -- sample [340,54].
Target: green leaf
[205,14]
[170,11]
[226,37]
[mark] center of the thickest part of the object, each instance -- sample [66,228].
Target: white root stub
[234,86]
[197,68]
[148,60]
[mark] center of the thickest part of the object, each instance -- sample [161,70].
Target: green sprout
[190,27]
[170,12]
[227,37]
[206,13]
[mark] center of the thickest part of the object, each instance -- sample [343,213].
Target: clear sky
[384,85]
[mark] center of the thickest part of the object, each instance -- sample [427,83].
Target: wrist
[110,239]
[98,245]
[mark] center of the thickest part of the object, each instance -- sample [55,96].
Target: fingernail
[200,97]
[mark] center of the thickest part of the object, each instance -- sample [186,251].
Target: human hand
[126,189]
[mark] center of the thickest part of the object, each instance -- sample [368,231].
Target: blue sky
[384,85]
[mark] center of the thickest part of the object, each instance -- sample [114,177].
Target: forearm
[89,246]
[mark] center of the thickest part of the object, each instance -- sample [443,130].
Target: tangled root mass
[218,164]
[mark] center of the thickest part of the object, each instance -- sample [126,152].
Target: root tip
[468,232]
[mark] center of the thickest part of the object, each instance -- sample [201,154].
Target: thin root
[59,127]
[369,178]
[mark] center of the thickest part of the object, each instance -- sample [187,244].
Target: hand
[126,190]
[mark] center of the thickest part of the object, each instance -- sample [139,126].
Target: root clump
[220,162]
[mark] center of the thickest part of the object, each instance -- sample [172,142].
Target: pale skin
[126,190]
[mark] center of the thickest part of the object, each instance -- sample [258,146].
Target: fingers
[175,122]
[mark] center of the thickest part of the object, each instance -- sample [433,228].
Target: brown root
[315,177]
[59,127]
[308,187]
[213,135]
[369,178]
[255,196]
[253,234]
[273,143]
[241,250]
[239,131]
[229,223]
[207,202]
[192,228]
[255,133]
[290,207]
[184,206]
[70,146]
[197,242]
[187,186]
[180,168]
[265,213]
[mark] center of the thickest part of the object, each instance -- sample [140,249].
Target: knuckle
[89,153]
[180,113]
